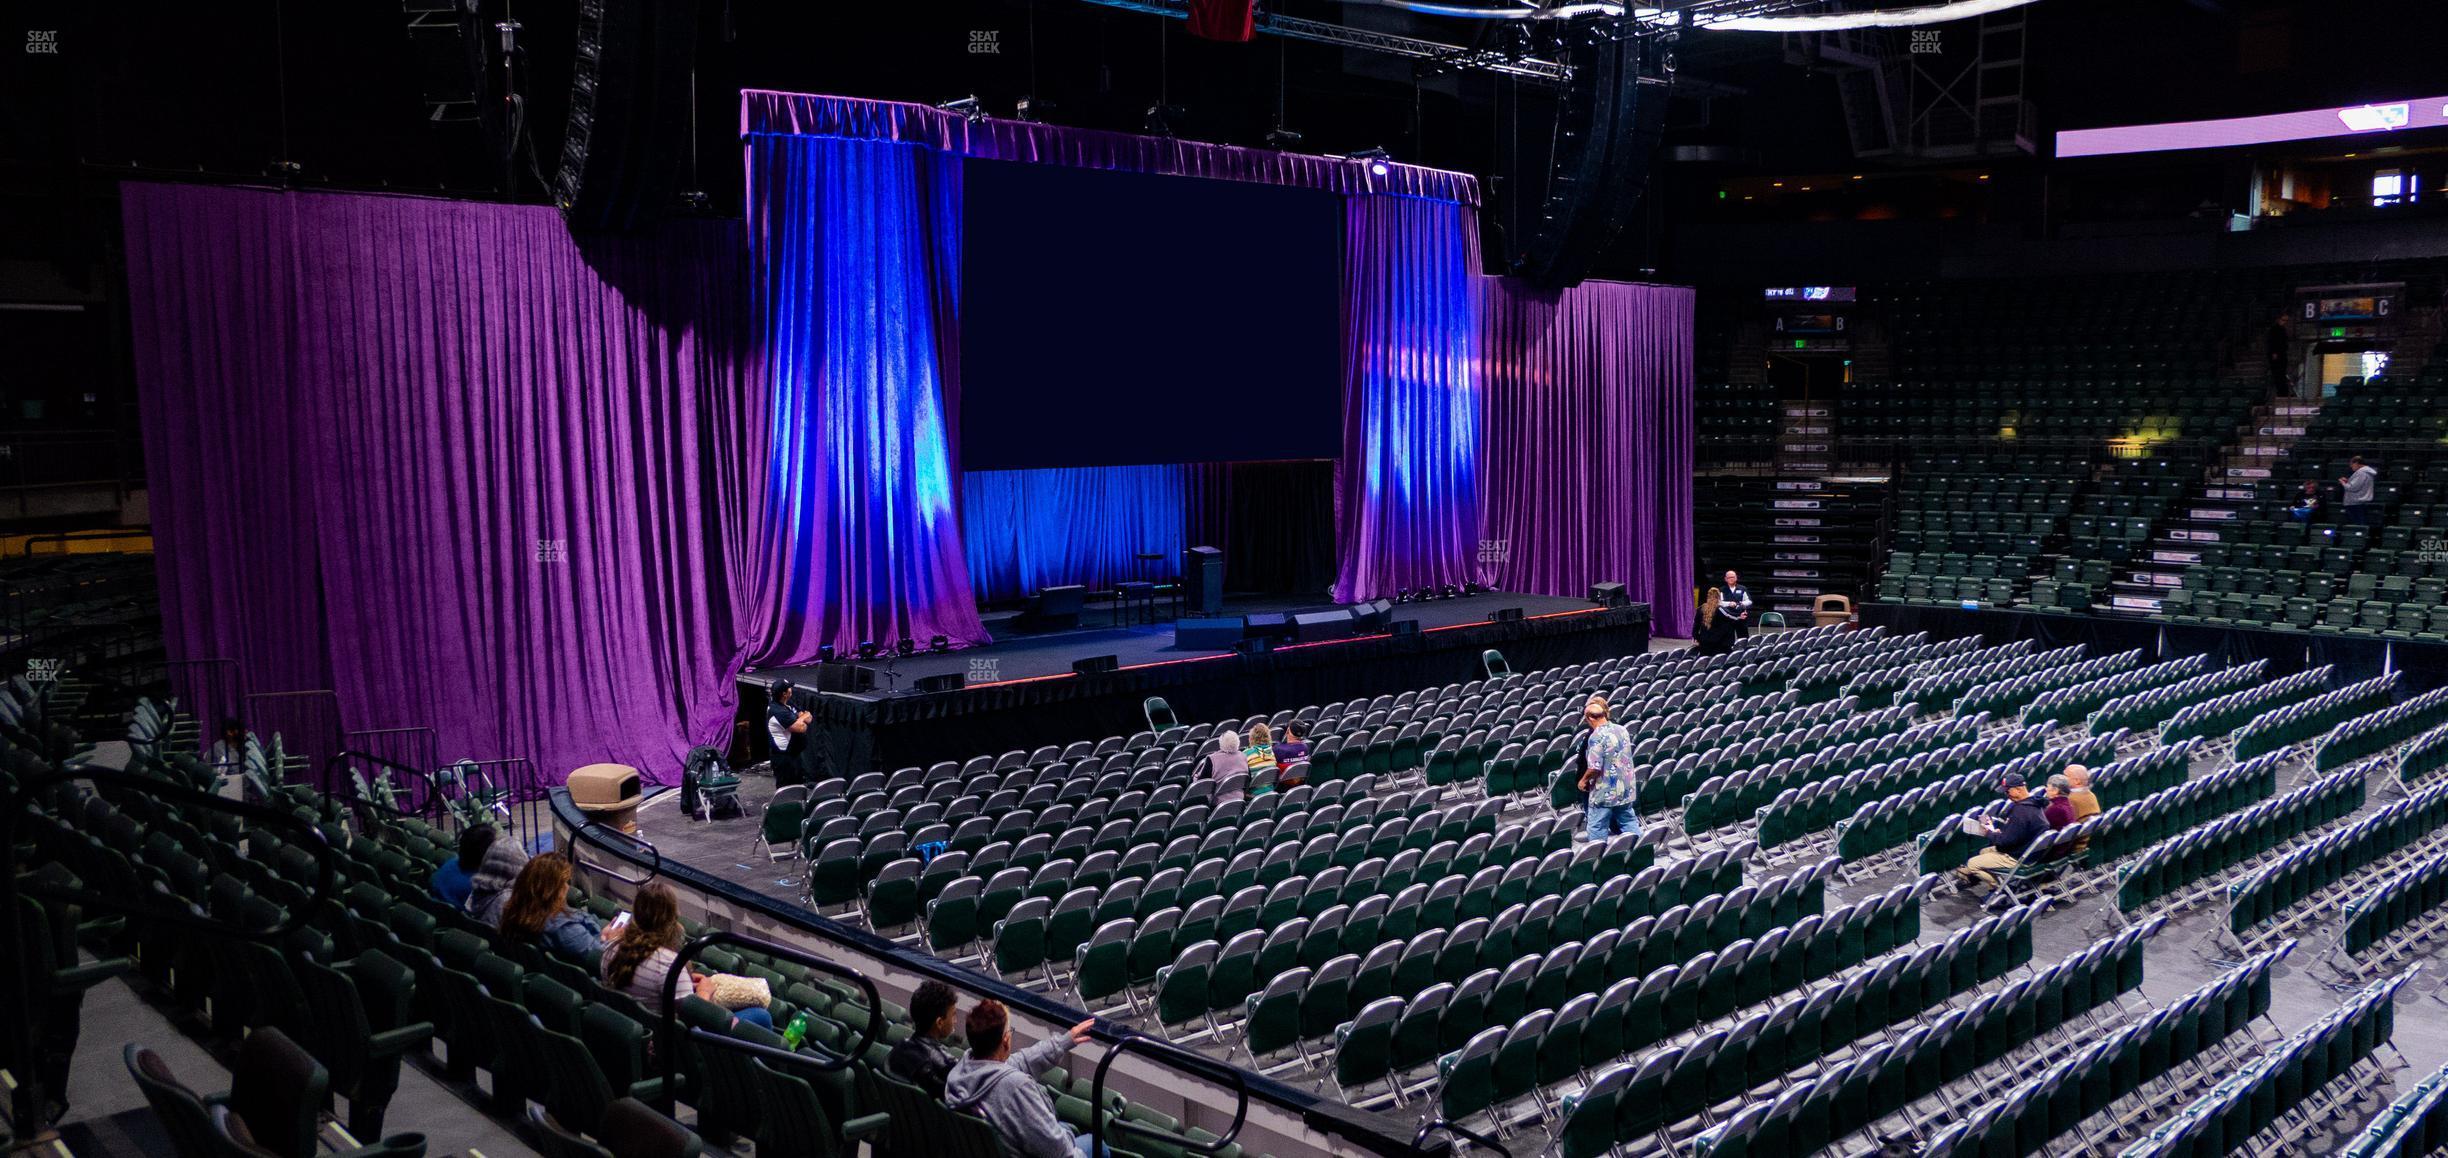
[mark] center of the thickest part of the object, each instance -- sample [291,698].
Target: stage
[1020,691]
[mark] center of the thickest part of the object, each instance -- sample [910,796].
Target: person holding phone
[641,947]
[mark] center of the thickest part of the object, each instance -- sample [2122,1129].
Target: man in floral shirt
[1607,775]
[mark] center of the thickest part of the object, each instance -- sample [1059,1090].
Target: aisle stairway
[2210,508]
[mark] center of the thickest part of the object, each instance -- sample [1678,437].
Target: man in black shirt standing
[787,727]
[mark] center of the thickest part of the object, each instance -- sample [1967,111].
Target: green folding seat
[2436,624]
[2300,613]
[2338,616]
[2376,617]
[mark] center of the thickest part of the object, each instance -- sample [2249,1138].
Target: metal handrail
[1181,1059]
[335,762]
[31,1104]
[615,874]
[1436,1125]
[667,1040]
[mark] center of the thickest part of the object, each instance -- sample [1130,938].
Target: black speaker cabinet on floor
[1206,634]
[1607,594]
[1202,581]
[1096,664]
[1312,626]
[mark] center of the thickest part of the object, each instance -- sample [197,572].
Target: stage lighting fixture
[939,643]
[1450,591]
[1282,138]
[1472,588]
[1160,118]
[906,647]
[869,649]
[1032,109]
[967,107]
[1376,158]
[824,653]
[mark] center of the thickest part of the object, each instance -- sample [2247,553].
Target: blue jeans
[1087,1147]
[1607,820]
[755,1015]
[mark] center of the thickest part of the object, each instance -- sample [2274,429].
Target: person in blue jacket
[457,877]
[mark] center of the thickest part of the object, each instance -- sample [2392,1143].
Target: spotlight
[824,653]
[939,643]
[869,649]
[1473,588]
[1376,158]
[1032,109]
[1282,138]
[967,106]
[1449,591]
[906,647]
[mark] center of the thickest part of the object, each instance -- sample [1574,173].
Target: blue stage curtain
[1407,501]
[855,267]
[1040,528]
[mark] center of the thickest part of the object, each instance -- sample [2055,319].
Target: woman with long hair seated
[1712,633]
[538,913]
[639,962]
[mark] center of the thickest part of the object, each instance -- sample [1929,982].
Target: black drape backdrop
[1279,528]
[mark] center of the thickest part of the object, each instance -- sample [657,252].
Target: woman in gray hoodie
[1001,1087]
[489,885]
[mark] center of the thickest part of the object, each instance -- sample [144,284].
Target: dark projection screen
[1116,318]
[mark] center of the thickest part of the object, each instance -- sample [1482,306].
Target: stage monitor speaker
[1203,580]
[940,683]
[1267,624]
[1096,665]
[1607,594]
[1255,645]
[631,86]
[1404,629]
[1506,615]
[1206,634]
[844,677]
[1312,626]
[1381,614]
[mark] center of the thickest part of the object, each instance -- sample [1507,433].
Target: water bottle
[796,1032]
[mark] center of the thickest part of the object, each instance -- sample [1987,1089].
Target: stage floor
[1017,655]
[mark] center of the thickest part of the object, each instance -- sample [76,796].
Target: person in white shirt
[2358,487]
[1736,606]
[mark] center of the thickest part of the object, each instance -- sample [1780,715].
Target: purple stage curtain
[1407,494]
[1589,429]
[809,114]
[498,454]
[854,248]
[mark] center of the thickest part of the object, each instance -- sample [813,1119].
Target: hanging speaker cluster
[628,112]
[1607,128]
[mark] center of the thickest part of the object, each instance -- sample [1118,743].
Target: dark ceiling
[328,90]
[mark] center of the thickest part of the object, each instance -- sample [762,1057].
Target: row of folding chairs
[1889,685]
[2287,1092]
[1263,846]
[1780,729]
[2416,825]
[2008,697]
[2414,1125]
[1125,953]
[1045,930]
[2376,732]
[2080,994]
[1372,998]
[2123,1081]
[1892,821]
[1491,969]
[1720,801]
[1827,677]
[959,901]
[1802,1032]
[1660,786]
[2171,870]
[2399,913]
[2423,755]
[1939,688]
[1797,813]
[2144,710]
[1475,1079]
[2215,718]
[2306,720]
